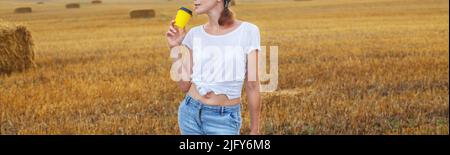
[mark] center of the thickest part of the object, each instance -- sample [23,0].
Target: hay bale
[72,6]
[16,48]
[233,3]
[23,10]
[96,2]
[144,13]
[40,2]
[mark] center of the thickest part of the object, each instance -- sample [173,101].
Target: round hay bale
[96,2]
[233,3]
[72,6]
[16,48]
[40,2]
[144,13]
[23,10]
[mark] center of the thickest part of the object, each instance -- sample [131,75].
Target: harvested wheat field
[16,48]
[345,67]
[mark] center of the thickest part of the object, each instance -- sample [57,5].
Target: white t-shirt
[220,61]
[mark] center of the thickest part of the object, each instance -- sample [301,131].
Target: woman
[223,54]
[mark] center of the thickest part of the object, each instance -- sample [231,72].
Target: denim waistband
[199,105]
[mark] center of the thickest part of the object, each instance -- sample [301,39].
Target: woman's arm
[252,87]
[185,68]
[174,38]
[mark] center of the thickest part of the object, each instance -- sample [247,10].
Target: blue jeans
[196,118]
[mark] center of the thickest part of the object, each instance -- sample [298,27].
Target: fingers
[170,34]
[172,29]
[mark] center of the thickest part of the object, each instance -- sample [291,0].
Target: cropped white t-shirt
[220,61]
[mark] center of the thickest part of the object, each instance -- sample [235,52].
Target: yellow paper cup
[183,17]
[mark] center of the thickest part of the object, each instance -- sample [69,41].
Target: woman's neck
[213,19]
[214,26]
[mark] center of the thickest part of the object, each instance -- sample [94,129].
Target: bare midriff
[211,98]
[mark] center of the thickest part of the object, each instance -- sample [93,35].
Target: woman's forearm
[183,65]
[252,87]
[254,102]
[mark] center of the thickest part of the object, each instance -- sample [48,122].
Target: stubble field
[345,67]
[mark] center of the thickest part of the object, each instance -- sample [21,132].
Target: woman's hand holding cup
[175,35]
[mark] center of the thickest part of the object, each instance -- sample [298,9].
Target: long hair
[227,16]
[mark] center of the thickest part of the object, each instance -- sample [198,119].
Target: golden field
[345,67]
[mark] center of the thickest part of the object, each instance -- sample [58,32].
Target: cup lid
[187,10]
